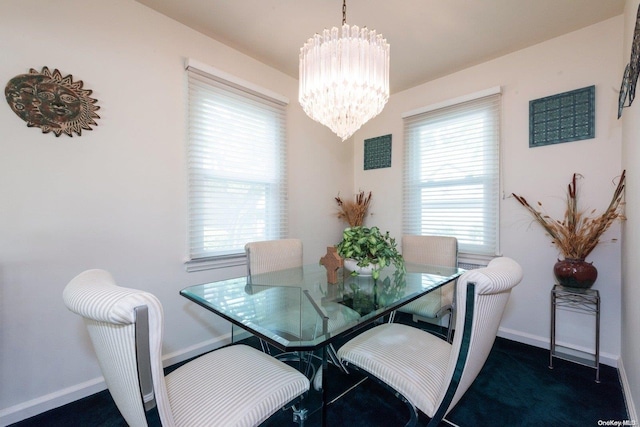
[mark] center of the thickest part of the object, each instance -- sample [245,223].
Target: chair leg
[413,411]
[335,360]
[414,414]
[333,355]
[265,347]
[310,370]
[450,326]
[299,414]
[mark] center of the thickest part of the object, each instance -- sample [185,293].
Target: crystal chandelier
[344,77]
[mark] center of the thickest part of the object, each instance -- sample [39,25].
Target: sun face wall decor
[51,102]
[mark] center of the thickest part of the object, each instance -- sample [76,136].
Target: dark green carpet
[515,388]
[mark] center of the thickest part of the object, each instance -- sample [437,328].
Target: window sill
[470,261]
[211,263]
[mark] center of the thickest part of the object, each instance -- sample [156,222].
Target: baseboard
[631,407]
[24,410]
[543,342]
[41,404]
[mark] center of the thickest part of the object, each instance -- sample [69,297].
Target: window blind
[451,179]
[236,166]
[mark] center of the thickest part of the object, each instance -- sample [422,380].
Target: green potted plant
[369,248]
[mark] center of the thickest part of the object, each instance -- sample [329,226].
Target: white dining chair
[431,250]
[284,258]
[232,386]
[287,254]
[428,373]
[272,255]
[271,296]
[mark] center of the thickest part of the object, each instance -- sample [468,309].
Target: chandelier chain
[344,12]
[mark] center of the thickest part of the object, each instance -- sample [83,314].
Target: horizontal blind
[237,167]
[451,176]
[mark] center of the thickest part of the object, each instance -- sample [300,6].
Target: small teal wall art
[565,117]
[377,152]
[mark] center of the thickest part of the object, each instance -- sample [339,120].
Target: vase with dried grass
[354,211]
[578,233]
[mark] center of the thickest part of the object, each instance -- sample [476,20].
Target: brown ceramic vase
[575,273]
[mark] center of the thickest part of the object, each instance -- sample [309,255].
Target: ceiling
[428,38]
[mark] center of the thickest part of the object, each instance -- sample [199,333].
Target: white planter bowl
[352,265]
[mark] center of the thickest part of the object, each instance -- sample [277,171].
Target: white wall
[591,56]
[630,360]
[115,197]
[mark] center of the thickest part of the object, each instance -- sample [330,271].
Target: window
[451,175]
[237,167]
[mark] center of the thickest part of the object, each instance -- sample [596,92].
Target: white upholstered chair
[274,255]
[272,305]
[269,256]
[427,372]
[232,386]
[286,254]
[433,250]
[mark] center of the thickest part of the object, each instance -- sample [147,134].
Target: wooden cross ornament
[332,262]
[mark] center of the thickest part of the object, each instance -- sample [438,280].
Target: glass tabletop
[296,309]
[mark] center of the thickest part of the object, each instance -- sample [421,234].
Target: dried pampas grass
[578,233]
[353,212]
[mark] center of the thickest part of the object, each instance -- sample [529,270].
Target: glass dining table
[297,312]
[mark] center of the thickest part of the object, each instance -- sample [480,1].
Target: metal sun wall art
[631,71]
[51,102]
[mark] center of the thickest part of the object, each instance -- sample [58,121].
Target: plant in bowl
[368,247]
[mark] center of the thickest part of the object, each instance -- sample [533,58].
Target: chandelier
[344,77]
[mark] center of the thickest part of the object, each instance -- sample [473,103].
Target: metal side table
[581,301]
